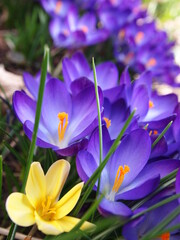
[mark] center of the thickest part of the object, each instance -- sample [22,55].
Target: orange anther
[151,62]
[107,121]
[139,36]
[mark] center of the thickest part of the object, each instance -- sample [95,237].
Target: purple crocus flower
[74,31]
[78,67]
[56,7]
[126,176]
[65,120]
[139,227]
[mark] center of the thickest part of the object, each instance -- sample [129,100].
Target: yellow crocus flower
[40,204]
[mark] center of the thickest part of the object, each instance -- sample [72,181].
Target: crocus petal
[31,84]
[36,184]
[48,227]
[24,106]
[107,75]
[140,93]
[56,178]
[67,203]
[68,223]
[107,207]
[20,210]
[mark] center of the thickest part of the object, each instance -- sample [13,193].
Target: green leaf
[99,122]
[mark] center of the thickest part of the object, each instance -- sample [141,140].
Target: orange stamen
[128,57]
[150,133]
[62,126]
[155,132]
[58,7]
[65,32]
[107,121]
[151,104]
[84,29]
[151,62]
[139,36]
[121,34]
[120,177]
[165,236]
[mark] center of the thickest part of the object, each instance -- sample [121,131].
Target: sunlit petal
[48,227]
[67,203]
[56,177]
[20,210]
[36,184]
[67,223]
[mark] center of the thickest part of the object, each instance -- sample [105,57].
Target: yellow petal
[56,178]
[20,210]
[67,203]
[48,227]
[67,223]
[36,184]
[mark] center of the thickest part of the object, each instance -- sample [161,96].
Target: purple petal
[80,84]
[107,207]
[107,75]
[24,106]
[42,139]
[142,107]
[125,78]
[73,148]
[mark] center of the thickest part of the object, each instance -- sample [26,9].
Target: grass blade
[99,122]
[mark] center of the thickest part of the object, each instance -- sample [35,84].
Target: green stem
[99,122]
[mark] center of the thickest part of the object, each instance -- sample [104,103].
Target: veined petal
[67,203]
[67,223]
[56,177]
[48,227]
[36,184]
[20,210]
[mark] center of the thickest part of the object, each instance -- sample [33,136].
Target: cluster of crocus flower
[69,118]
[136,40]
[69,125]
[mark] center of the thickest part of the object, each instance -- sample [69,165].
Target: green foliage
[31,24]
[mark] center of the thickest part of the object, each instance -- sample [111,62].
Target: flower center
[84,28]
[139,36]
[165,236]
[107,121]
[121,34]
[118,181]
[45,210]
[58,6]
[151,62]
[151,104]
[63,122]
